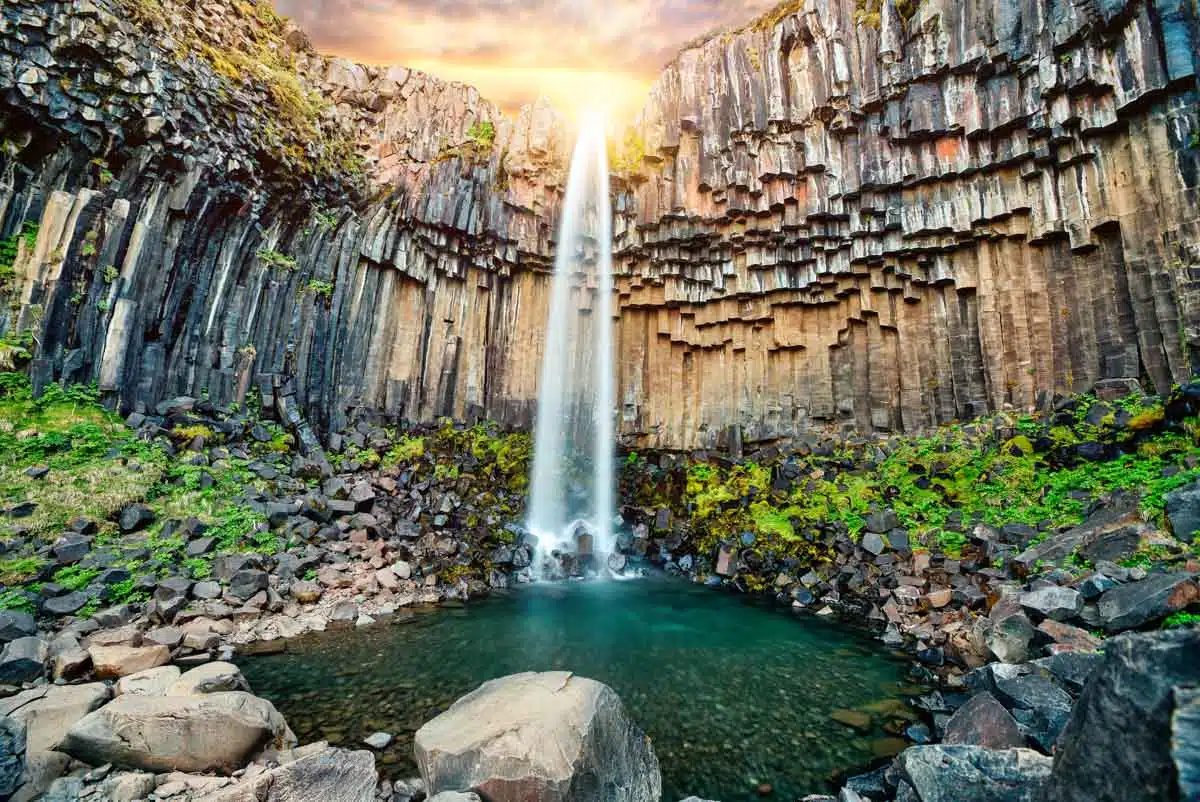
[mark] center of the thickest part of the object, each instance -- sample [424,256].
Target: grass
[1181,619]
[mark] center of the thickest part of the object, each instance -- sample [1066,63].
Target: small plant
[103,305]
[110,274]
[321,289]
[88,250]
[17,570]
[407,450]
[324,220]
[75,578]
[275,260]
[1181,619]
[198,567]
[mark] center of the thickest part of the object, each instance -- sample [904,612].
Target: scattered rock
[566,735]
[135,517]
[1059,603]
[16,624]
[23,660]
[974,774]
[378,740]
[983,721]
[1008,639]
[212,732]
[12,755]
[855,719]
[49,712]
[1119,734]
[1139,603]
[324,775]
[119,661]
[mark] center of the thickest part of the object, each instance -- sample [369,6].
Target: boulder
[127,786]
[1139,603]
[152,681]
[983,721]
[1008,639]
[324,775]
[12,755]
[48,712]
[247,582]
[1119,735]
[112,662]
[23,660]
[135,517]
[1040,707]
[216,732]
[1185,741]
[1183,511]
[16,624]
[1060,604]
[65,604]
[540,737]
[974,774]
[213,677]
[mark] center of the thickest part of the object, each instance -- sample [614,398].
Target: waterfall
[571,504]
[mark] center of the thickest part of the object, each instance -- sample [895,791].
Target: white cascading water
[575,400]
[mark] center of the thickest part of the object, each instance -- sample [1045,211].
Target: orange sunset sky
[578,53]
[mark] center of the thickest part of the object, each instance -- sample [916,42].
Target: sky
[579,53]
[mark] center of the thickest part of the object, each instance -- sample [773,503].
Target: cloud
[514,51]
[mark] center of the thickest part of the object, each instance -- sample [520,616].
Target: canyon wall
[836,216]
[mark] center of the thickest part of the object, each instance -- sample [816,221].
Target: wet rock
[568,735]
[119,661]
[1149,601]
[23,659]
[725,560]
[1119,734]
[855,719]
[1058,603]
[344,615]
[974,774]
[320,774]
[378,740]
[212,732]
[983,721]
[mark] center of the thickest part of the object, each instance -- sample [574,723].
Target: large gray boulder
[974,773]
[217,732]
[539,737]
[324,774]
[12,755]
[1153,599]
[1117,744]
[1185,741]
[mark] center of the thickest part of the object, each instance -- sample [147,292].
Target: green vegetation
[273,259]
[321,289]
[631,156]
[478,147]
[1181,619]
[9,248]
[1022,469]
[97,466]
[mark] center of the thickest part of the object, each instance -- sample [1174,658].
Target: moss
[187,434]
[409,449]
[17,570]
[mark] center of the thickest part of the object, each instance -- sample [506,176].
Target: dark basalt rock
[974,774]
[1146,602]
[1119,735]
[135,517]
[983,721]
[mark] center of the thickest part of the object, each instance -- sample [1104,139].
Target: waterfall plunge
[571,490]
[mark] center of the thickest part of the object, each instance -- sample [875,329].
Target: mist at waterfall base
[571,507]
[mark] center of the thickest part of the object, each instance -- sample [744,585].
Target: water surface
[733,694]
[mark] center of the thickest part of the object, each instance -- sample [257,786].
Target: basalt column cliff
[876,216]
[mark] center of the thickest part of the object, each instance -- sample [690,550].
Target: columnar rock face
[843,218]
[893,223]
